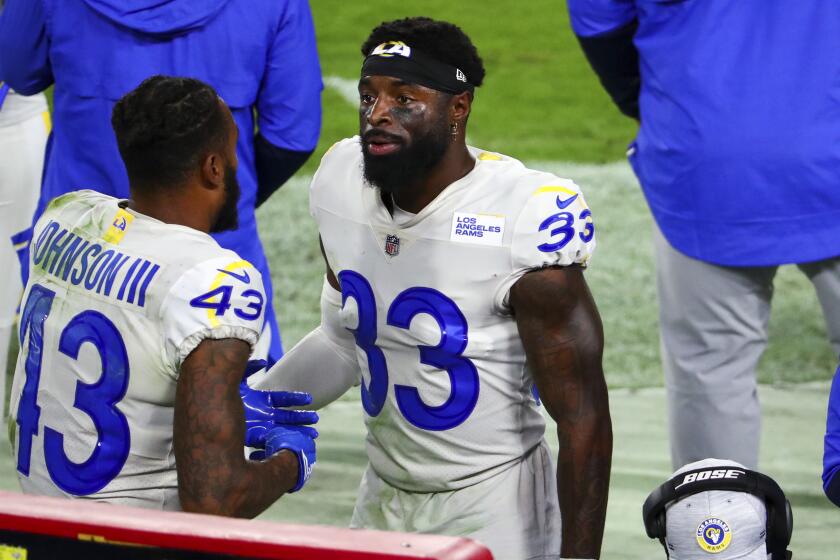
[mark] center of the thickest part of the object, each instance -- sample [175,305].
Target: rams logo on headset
[713,535]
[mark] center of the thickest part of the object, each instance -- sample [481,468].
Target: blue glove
[298,439]
[253,366]
[264,409]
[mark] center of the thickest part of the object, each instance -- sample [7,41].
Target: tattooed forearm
[209,431]
[563,339]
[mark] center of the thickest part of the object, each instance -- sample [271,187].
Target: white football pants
[22,148]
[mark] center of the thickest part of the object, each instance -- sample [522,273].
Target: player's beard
[228,218]
[411,163]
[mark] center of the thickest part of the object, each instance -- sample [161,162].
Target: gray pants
[515,513]
[713,330]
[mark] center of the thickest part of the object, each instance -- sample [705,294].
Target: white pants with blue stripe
[22,146]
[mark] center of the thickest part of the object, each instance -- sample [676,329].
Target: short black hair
[165,127]
[441,40]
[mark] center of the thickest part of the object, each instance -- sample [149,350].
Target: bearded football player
[136,329]
[455,287]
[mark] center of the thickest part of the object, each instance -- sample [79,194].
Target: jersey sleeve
[289,110]
[218,298]
[24,42]
[555,228]
[590,18]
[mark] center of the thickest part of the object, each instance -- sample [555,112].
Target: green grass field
[541,103]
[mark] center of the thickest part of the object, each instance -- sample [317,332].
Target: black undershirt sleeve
[274,166]
[615,60]
[833,489]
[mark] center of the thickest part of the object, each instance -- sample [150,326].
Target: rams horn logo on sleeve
[116,231]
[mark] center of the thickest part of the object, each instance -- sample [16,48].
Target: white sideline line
[346,88]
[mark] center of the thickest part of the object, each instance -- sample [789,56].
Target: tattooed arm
[563,339]
[209,436]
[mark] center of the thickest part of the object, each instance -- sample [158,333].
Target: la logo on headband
[390,48]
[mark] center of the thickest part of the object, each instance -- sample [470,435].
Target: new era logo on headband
[391,48]
[460,76]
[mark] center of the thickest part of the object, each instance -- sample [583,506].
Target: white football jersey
[446,392]
[115,302]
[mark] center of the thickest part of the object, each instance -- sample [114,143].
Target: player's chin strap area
[732,478]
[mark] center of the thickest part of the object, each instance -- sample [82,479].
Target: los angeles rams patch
[713,535]
[481,229]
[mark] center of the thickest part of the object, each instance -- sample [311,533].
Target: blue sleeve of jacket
[24,47]
[596,17]
[605,31]
[289,101]
[831,457]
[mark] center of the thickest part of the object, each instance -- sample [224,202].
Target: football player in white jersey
[455,286]
[136,328]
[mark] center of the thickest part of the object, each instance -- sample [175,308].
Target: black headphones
[726,477]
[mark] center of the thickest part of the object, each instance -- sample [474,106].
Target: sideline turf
[793,415]
[791,453]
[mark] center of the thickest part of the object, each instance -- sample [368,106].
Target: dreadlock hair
[441,40]
[165,127]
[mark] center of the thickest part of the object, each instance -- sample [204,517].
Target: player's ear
[213,170]
[459,107]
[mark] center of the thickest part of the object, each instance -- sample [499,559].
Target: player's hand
[266,409]
[298,439]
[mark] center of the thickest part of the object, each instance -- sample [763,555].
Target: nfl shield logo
[392,245]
